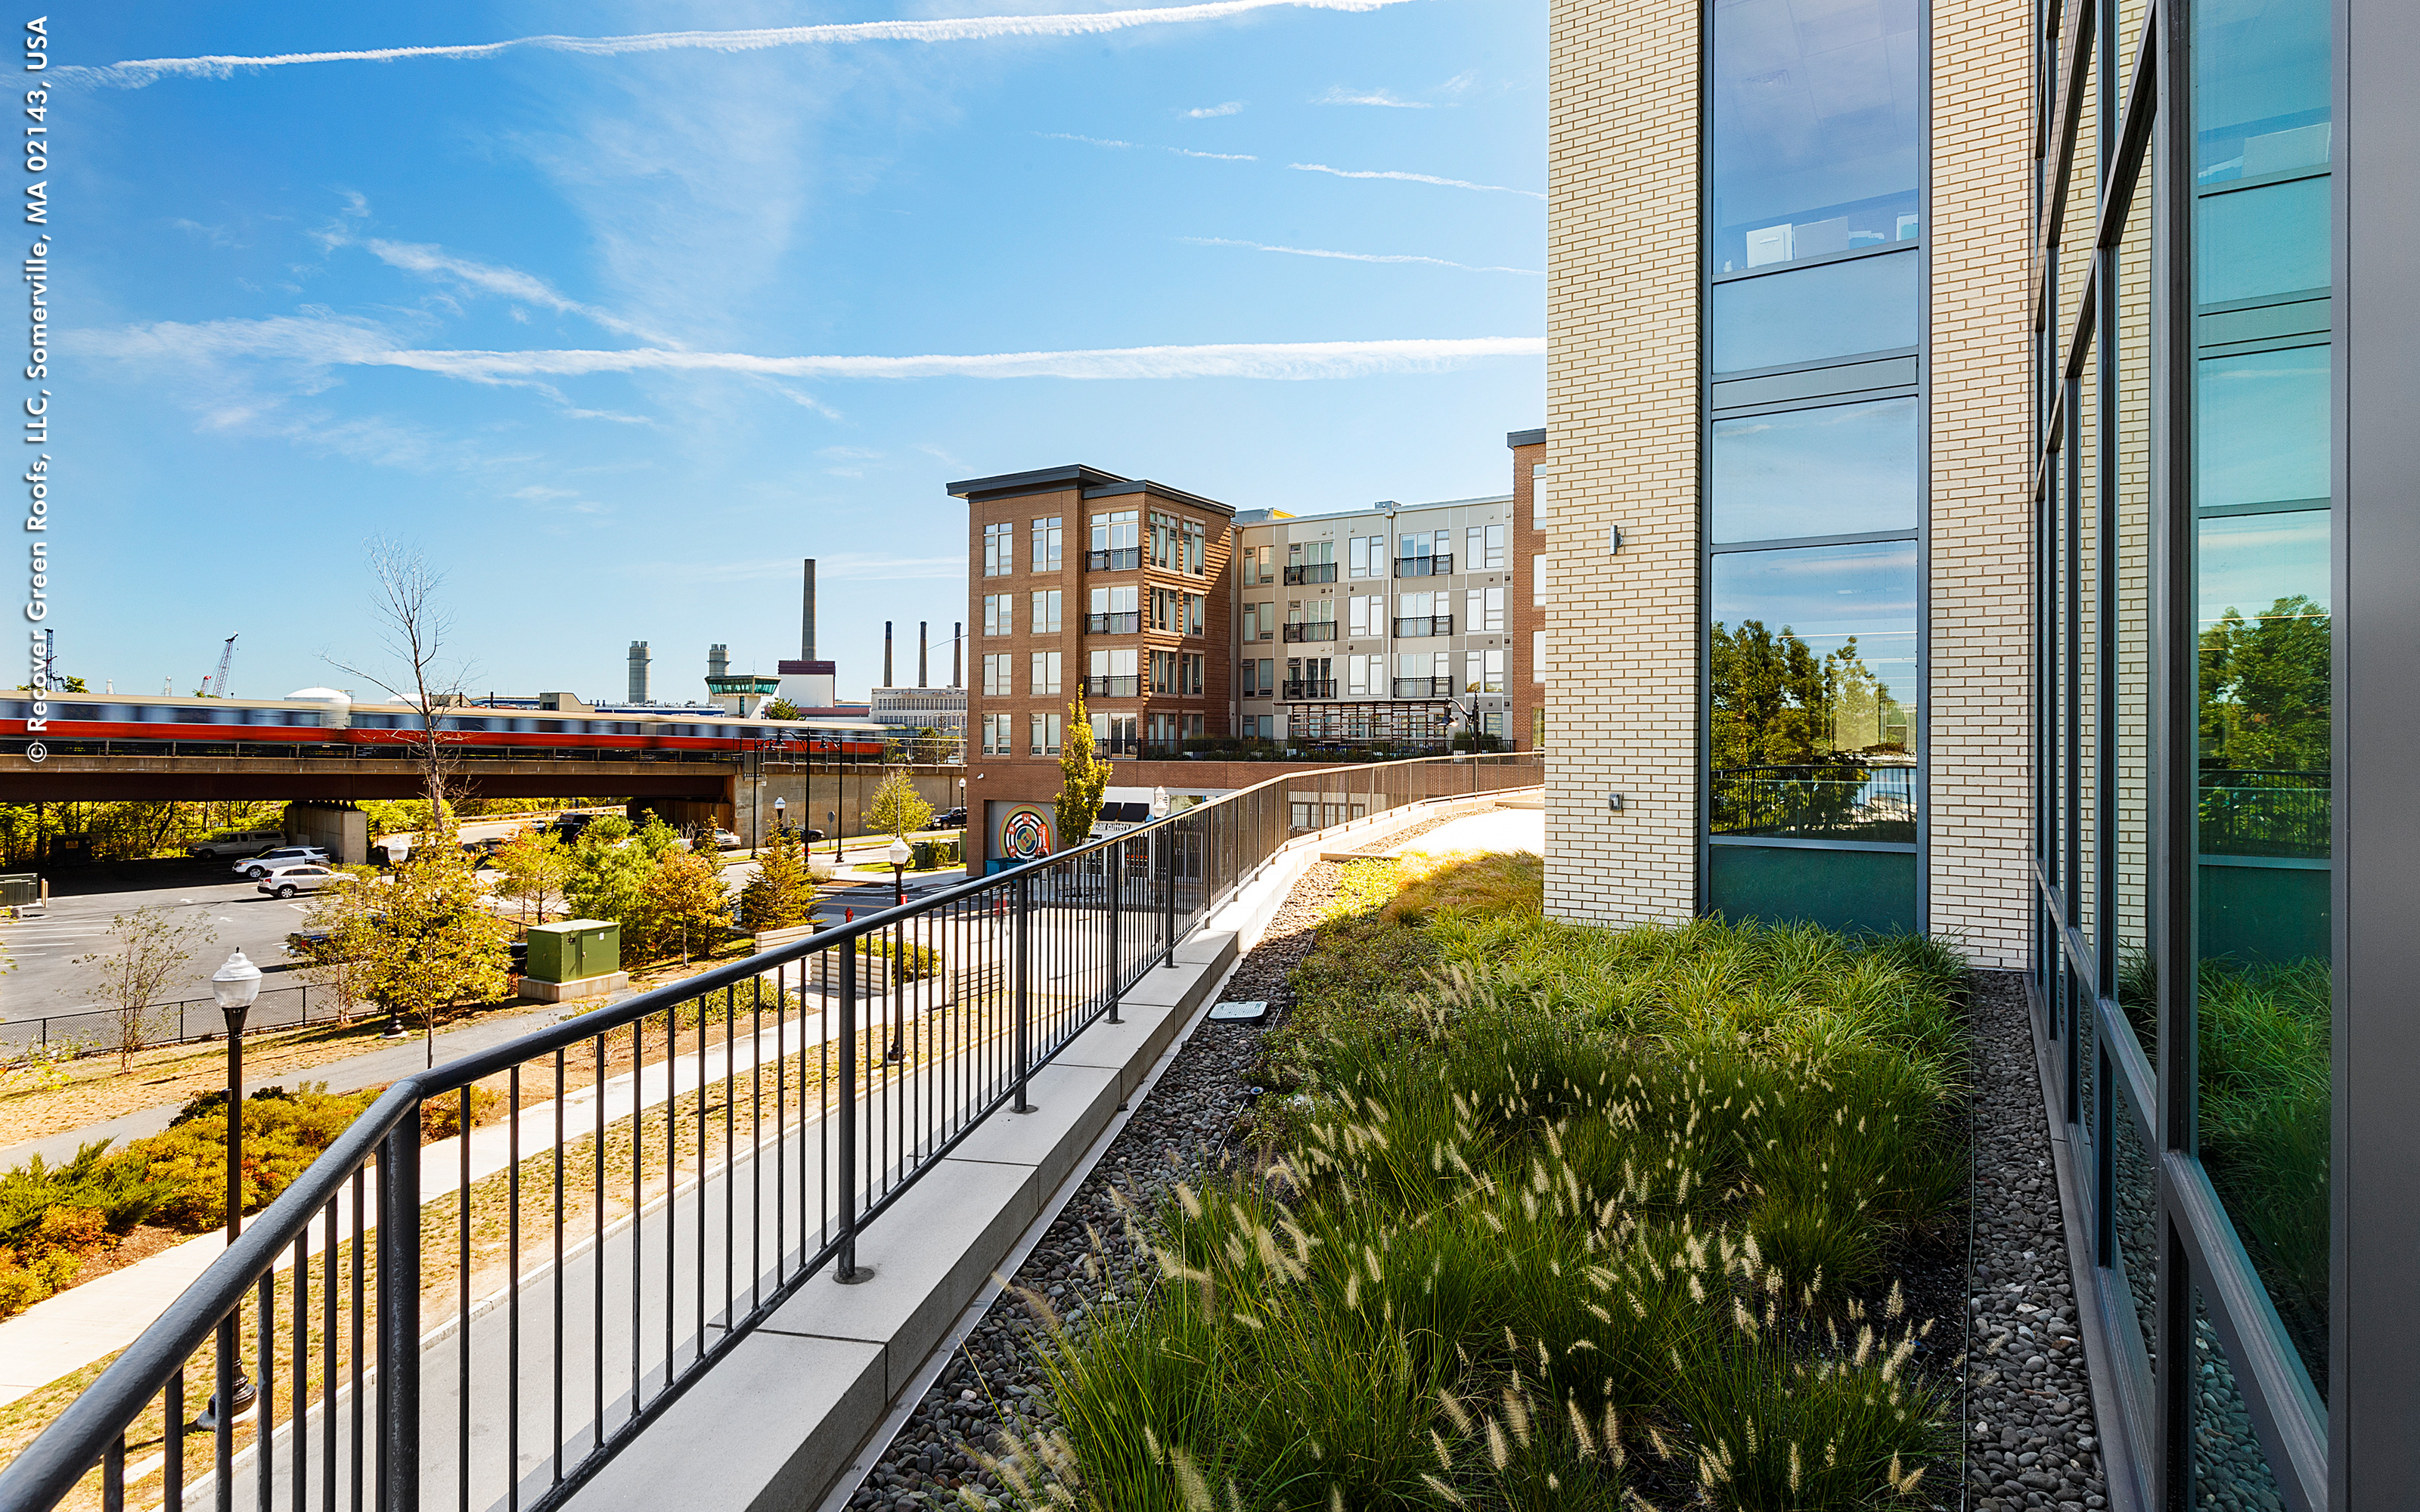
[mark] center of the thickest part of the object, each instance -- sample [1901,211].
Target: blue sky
[309,302]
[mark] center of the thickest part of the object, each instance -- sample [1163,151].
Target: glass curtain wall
[1814,462]
[2183,652]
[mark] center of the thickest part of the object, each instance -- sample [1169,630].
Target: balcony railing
[1837,800]
[1112,688]
[1307,688]
[1439,566]
[1423,688]
[1117,561]
[384,1363]
[1314,572]
[1113,623]
[2273,813]
[1428,625]
[1311,630]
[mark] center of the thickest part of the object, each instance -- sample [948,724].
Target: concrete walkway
[1506,829]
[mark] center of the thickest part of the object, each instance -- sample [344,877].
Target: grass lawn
[1545,1217]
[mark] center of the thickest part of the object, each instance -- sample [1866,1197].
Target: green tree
[897,807]
[2265,689]
[147,947]
[532,869]
[347,911]
[608,868]
[778,895]
[429,945]
[780,709]
[682,905]
[1084,777]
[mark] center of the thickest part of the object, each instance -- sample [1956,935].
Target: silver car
[260,866]
[289,880]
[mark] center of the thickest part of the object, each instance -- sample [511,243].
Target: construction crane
[221,676]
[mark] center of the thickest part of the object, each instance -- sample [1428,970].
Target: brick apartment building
[1208,643]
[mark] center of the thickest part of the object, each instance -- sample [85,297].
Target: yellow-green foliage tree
[430,947]
[682,906]
[778,895]
[532,869]
[1084,777]
[897,807]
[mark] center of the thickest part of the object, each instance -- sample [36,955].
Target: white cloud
[1339,95]
[1360,257]
[436,262]
[1411,178]
[327,342]
[1203,112]
[1459,83]
[135,73]
[1144,146]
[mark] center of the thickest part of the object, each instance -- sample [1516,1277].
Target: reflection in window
[2260,242]
[1811,314]
[2260,87]
[1816,110]
[1813,670]
[1840,470]
[2261,436]
[2229,1472]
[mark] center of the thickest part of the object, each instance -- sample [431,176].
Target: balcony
[1118,560]
[1305,688]
[1113,623]
[1317,572]
[1314,630]
[1423,688]
[1126,687]
[1433,624]
[1439,566]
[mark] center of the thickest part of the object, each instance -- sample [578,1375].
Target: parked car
[229,842]
[725,840]
[954,819]
[289,880]
[284,855]
[310,941]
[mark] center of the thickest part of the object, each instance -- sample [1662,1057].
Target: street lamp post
[781,806]
[898,856]
[397,852]
[235,985]
[832,817]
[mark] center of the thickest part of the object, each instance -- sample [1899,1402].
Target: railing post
[1167,895]
[1024,987]
[845,1263]
[398,1316]
[1115,858]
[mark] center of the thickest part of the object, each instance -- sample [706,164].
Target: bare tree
[414,631]
[147,948]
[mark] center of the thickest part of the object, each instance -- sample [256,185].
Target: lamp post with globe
[234,985]
[898,856]
[398,850]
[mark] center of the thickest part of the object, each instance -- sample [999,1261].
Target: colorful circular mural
[1025,834]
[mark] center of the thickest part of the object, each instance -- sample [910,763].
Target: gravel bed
[2030,1438]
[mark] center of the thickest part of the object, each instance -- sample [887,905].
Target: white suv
[236,842]
[289,880]
[284,855]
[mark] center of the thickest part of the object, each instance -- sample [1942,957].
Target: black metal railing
[1117,561]
[488,1320]
[1311,630]
[1112,688]
[1419,625]
[2245,811]
[1311,687]
[1314,572]
[1830,800]
[1439,566]
[98,1029]
[1423,688]
[1128,623]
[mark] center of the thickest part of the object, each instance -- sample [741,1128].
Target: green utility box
[574,951]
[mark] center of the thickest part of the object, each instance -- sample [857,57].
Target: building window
[1365,556]
[996,675]
[996,735]
[1192,668]
[1000,614]
[1197,551]
[1116,544]
[1114,733]
[1483,672]
[1310,561]
[1045,544]
[1537,656]
[1425,554]
[1842,470]
[1196,613]
[1259,621]
[1042,734]
[1423,675]
[1258,565]
[1045,671]
[1482,610]
[1115,611]
[1113,674]
[1483,549]
[1000,548]
[1046,612]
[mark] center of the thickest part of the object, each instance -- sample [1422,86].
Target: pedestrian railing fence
[90,1031]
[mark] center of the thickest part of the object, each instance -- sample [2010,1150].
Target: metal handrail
[964,1046]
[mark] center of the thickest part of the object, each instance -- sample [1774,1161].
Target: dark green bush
[283,1132]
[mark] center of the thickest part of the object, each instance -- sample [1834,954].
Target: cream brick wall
[1621,358]
[1980,719]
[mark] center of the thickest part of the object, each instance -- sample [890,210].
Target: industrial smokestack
[958,650]
[807,616]
[923,653]
[885,655]
[718,661]
[639,659]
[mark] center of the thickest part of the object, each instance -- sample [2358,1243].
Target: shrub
[440,1117]
[908,962]
[283,1132]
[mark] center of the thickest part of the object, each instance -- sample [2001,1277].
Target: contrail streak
[1360,257]
[137,72]
[1411,178]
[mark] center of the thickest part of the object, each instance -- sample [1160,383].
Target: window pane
[2229,1472]
[1816,106]
[1814,681]
[2262,241]
[1849,890]
[2260,86]
[1830,471]
[2262,429]
[1865,305]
